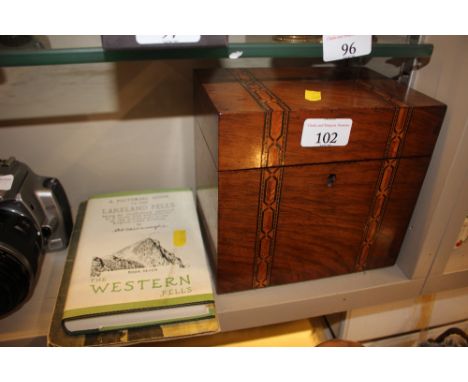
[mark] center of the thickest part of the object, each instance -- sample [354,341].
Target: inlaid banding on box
[401,122]
[276,119]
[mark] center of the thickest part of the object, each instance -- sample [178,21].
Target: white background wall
[100,127]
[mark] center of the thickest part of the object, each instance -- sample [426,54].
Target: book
[136,264]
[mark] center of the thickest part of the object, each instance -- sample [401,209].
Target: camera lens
[14,282]
[20,253]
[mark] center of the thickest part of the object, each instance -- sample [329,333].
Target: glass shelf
[246,47]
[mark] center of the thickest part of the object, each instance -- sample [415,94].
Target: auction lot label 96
[346,46]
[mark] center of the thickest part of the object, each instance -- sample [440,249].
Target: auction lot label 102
[319,132]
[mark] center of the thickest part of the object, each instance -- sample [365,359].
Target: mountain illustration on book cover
[146,253]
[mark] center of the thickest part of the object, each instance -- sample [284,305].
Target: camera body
[35,217]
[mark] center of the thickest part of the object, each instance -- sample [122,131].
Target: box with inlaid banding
[293,188]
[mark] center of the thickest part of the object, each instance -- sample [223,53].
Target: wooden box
[279,211]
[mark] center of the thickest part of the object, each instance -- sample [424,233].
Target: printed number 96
[348,49]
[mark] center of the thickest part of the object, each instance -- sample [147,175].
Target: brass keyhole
[331,180]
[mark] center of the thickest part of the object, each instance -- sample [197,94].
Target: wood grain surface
[320,229]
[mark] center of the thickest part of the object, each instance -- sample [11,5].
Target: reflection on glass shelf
[463,235]
[458,259]
[10,43]
[50,50]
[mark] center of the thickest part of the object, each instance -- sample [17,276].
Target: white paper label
[319,132]
[167,39]
[6,182]
[342,47]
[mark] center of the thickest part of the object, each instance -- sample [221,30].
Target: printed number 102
[326,138]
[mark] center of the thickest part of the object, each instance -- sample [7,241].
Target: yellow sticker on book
[312,95]
[179,238]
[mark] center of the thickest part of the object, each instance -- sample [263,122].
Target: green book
[136,271]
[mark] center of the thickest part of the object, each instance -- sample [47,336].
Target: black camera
[35,217]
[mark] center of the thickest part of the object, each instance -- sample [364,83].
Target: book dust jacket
[138,252]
